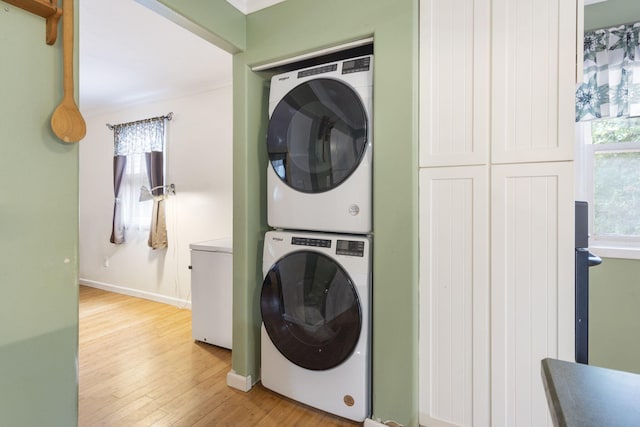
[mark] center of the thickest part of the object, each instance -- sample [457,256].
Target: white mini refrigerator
[212,291]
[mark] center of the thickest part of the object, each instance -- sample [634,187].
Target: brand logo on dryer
[277,239]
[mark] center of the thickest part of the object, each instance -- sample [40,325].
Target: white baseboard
[238,381]
[373,423]
[137,293]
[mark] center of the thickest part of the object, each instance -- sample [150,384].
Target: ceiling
[131,55]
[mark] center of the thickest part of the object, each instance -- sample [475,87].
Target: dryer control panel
[355,65]
[318,70]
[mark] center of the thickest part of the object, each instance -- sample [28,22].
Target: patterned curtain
[611,82]
[143,136]
[148,137]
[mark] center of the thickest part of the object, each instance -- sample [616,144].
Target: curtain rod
[608,27]
[168,117]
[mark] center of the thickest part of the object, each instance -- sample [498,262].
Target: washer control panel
[350,248]
[303,241]
[343,247]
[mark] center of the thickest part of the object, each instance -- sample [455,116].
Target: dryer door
[317,135]
[310,310]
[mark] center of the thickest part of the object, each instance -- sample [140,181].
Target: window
[609,179]
[138,160]
[136,213]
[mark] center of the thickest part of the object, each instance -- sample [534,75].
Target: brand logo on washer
[348,400]
[283,78]
[354,210]
[277,239]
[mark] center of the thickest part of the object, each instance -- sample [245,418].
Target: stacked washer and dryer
[316,295]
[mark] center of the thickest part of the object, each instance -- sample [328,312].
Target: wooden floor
[139,366]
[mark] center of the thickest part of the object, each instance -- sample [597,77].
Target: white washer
[315,306]
[319,143]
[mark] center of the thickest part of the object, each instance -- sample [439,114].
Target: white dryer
[316,320]
[319,143]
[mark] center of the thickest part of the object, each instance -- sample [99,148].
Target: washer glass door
[317,135]
[310,310]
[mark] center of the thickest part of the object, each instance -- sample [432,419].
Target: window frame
[603,245]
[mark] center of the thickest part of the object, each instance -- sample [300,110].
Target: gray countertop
[589,396]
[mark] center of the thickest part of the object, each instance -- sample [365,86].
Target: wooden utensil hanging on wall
[67,121]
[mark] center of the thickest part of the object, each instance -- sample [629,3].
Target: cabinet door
[454,297]
[532,286]
[454,82]
[533,80]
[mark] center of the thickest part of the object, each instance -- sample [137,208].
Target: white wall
[199,163]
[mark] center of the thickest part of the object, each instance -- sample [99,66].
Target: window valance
[143,136]
[611,82]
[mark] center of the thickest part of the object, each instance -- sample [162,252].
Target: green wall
[214,20]
[610,13]
[614,317]
[39,223]
[301,26]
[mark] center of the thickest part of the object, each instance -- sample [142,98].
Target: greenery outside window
[609,179]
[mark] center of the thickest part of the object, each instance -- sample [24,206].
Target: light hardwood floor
[139,366]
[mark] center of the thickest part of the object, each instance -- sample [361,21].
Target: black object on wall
[584,260]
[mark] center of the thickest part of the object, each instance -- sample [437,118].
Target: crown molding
[250,6]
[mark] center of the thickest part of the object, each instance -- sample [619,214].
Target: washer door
[317,135]
[310,310]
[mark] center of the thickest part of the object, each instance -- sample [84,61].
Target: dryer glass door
[311,311]
[317,135]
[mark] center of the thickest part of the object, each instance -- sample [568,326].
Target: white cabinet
[533,80]
[496,200]
[212,292]
[455,65]
[483,335]
[454,297]
[532,298]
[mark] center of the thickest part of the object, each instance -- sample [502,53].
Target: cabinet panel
[454,75]
[533,71]
[454,297]
[531,285]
